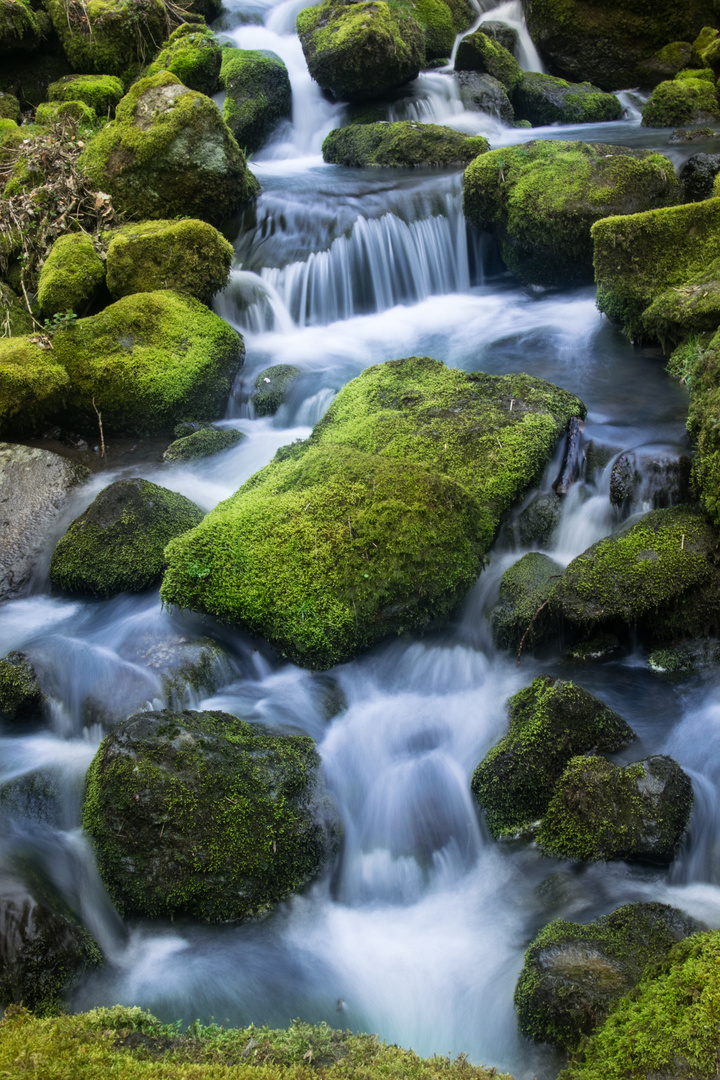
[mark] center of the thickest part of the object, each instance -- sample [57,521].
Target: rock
[112,38]
[34,485]
[573,457]
[542,198]
[22,29]
[681,101]
[706,49]
[543,99]
[184,664]
[56,112]
[43,952]
[10,108]
[187,256]
[624,480]
[486,94]
[117,544]
[682,661]
[380,521]
[702,425]
[360,51]
[148,360]
[203,443]
[258,92]
[100,92]
[35,796]
[665,63]
[659,479]
[601,811]
[271,387]
[200,813]
[21,699]
[574,973]
[32,384]
[14,315]
[404,143]
[169,153]
[682,135]
[193,55]
[524,588]
[550,722]
[538,521]
[436,21]
[599,647]
[697,176]
[71,276]
[481,52]
[505,35]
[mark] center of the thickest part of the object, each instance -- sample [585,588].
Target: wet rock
[682,135]
[524,589]
[542,100]
[486,94]
[34,486]
[573,458]
[687,659]
[681,101]
[481,52]
[550,722]
[21,699]
[599,647]
[198,812]
[665,63]
[697,176]
[35,796]
[505,35]
[184,664]
[203,443]
[575,972]
[597,456]
[624,479]
[258,95]
[658,479]
[602,811]
[538,521]
[403,143]
[271,387]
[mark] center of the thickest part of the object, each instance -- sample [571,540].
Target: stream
[418,933]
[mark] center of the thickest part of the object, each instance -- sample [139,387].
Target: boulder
[10,108]
[536,524]
[591,651]
[200,813]
[71,276]
[101,93]
[665,63]
[574,973]
[541,199]
[436,21]
[57,112]
[187,256]
[117,544]
[694,657]
[481,52]
[21,699]
[681,101]
[486,94]
[112,37]
[169,153]
[203,443]
[524,589]
[404,143]
[258,95]
[194,56]
[543,99]
[22,29]
[360,51]
[550,722]
[505,35]
[601,811]
[186,665]
[660,479]
[379,522]
[271,387]
[28,76]
[697,176]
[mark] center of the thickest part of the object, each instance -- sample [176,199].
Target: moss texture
[15,319]
[148,360]
[524,587]
[10,108]
[169,153]
[704,377]
[665,63]
[54,112]
[32,383]
[194,56]
[358,52]
[404,143]
[538,521]
[196,812]
[436,20]
[271,387]
[574,973]
[117,544]
[186,256]
[21,699]
[689,658]
[682,101]
[101,93]
[682,310]
[542,99]
[480,52]
[258,92]
[110,37]
[550,722]
[71,275]
[542,198]
[203,443]
[22,29]
[378,522]
[602,811]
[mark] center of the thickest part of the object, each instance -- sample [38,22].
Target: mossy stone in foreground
[380,521]
[114,37]
[603,811]
[192,53]
[681,101]
[32,383]
[575,972]
[71,275]
[271,387]
[197,812]
[203,443]
[524,587]
[100,92]
[21,698]
[480,52]
[542,99]
[404,143]
[550,722]
[55,112]
[258,95]
[117,544]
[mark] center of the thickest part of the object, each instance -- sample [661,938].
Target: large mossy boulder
[101,93]
[71,275]
[543,99]
[187,256]
[481,52]
[404,143]
[681,101]
[550,722]
[21,699]
[169,153]
[271,387]
[521,615]
[380,521]
[147,361]
[360,51]
[574,973]
[22,28]
[32,383]
[193,55]
[117,544]
[257,95]
[540,200]
[110,37]
[199,813]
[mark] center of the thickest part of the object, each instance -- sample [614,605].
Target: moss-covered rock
[697,176]
[691,308]
[101,93]
[71,275]
[117,544]
[486,94]
[271,387]
[378,522]
[436,20]
[110,37]
[689,658]
[404,143]
[541,199]
[148,360]
[481,52]
[15,319]
[503,33]
[550,722]
[54,112]
[601,811]
[258,95]
[665,63]
[704,376]
[169,153]
[11,136]
[598,647]
[574,973]
[539,520]
[10,108]
[22,29]
[194,56]
[21,699]
[359,51]
[543,99]
[524,588]
[681,101]
[203,443]
[187,256]
[32,383]
[200,813]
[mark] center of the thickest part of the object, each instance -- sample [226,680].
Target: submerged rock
[404,143]
[258,95]
[524,588]
[203,443]
[271,387]
[542,99]
[200,813]
[21,699]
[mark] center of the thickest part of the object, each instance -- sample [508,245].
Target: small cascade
[511,12]
[252,304]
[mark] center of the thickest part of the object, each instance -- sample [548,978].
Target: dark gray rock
[486,94]
[698,175]
[21,699]
[542,99]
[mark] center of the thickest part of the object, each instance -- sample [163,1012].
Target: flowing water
[418,934]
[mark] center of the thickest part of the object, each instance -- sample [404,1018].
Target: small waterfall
[253,304]
[511,12]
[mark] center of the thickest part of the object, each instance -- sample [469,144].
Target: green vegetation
[271,387]
[203,443]
[21,28]
[682,661]
[436,20]
[524,588]
[258,94]
[194,56]
[110,37]
[21,698]
[542,99]
[101,93]
[54,112]
[704,375]
[404,143]
[10,108]
[684,100]
[45,956]
[70,276]
[480,52]
[15,319]
[32,383]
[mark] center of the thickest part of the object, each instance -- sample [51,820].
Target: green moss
[682,661]
[101,93]
[187,256]
[404,143]
[524,587]
[52,112]
[697,73]
[682,101]
[169,153]
[598,647]
[193,54]
[21,698]
[271,387]
[117,544]
[21,28]
[550,722]
[480,52]
[70,276]
[381,520]
[601,811]
[665,63]
[149,360]
[258,93]
[536,524]
[436,20]
[542,99]
[53,953]
[32,383]
[203,443]
[15,319]
[10,108]
[11,137]
[707,35]
[710,56]
[693,307]
[704,380]
[110,37]
[542,198]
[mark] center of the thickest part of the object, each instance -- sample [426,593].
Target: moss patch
[258,95]
[101,93]
[542,99]
[54,112]
[10,108]
[403,143]
[21,28]
[685,100]
[524,588]
[15,319]
[481,52]
[271,387]
[110,37]
[71,275]
[203,443]
[194,56]
[32,383]
[21,698]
